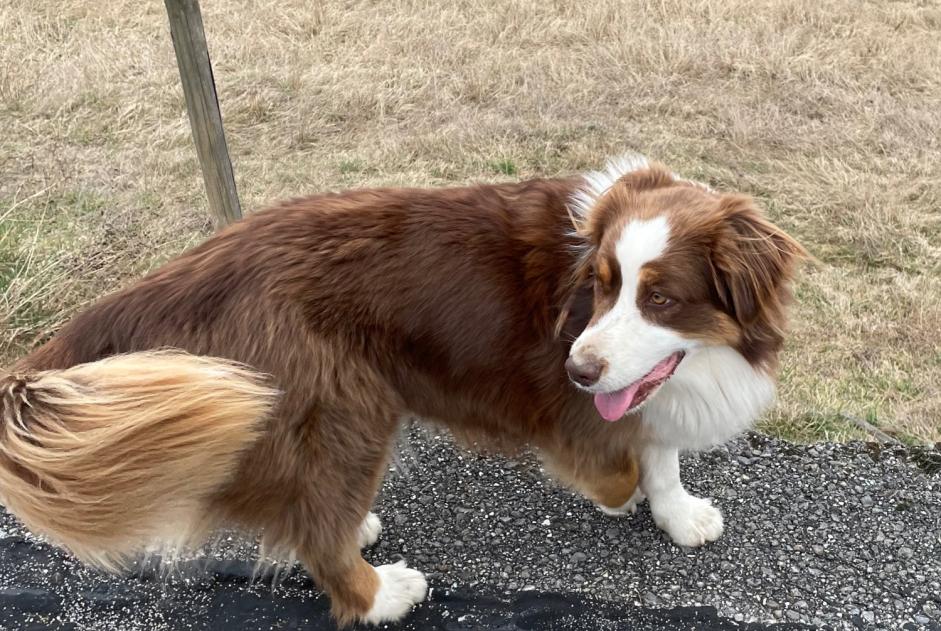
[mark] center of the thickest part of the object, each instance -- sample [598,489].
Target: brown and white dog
[304,333]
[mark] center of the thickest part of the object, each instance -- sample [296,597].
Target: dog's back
[423,285]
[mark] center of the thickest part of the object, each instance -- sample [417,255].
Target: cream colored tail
[110,456]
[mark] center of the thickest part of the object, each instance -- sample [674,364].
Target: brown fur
[610,484]
[353,590]
[366,306]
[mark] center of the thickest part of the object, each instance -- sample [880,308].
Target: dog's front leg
[690,521]
[611,483]
[613,492]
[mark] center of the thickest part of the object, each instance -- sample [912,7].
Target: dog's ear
[752,259]
[578,304]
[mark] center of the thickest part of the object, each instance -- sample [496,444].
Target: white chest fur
[714,395]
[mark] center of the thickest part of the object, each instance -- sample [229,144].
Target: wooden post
[202,105]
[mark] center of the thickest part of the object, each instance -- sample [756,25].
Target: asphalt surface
[836,536]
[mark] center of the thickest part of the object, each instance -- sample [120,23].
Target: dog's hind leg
[358,591]
[330,519]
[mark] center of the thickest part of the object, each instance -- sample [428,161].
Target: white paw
[399,589]
[690,521]
[628,507]
[369,530]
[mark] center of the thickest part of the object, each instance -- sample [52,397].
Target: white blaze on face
[630,345]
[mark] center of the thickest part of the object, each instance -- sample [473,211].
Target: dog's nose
[585,373]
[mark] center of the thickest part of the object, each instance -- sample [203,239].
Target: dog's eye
[659,300]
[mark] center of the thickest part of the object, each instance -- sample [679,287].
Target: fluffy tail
[107,457]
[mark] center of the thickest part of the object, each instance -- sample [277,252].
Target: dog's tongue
[613,405]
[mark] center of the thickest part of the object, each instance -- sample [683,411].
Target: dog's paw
[400,588]
[369,530]
[690,521]
[627,508]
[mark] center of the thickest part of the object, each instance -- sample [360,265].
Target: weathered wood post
[202,106]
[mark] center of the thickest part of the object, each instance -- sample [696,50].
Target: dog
[607,321]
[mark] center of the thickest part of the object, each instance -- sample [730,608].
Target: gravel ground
[838,536]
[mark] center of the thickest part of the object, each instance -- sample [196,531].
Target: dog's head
[673,268]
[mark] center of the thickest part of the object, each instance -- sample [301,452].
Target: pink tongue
[613,405]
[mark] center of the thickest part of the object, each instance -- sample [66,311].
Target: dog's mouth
[614,405]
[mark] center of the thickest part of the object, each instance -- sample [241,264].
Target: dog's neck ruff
[714,395]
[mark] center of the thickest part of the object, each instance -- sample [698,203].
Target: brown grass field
[827,111]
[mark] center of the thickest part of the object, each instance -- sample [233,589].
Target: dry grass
[827,111]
